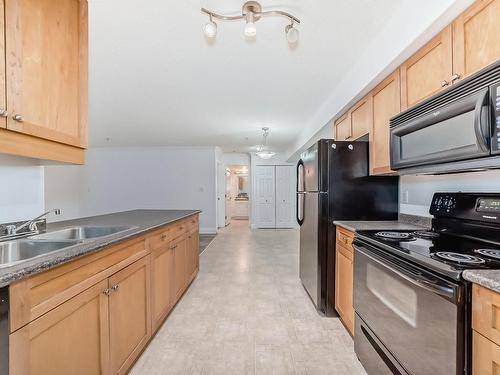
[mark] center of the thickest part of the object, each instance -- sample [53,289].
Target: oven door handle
[413,278]
[481,138]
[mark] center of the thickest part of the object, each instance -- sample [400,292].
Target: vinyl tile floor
[247,313]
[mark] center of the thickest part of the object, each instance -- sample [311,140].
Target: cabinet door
[46,52]
[129,314]
[361,117]
[485,356]
[386,104]
[73,338]
[162,283]
[193,250]
[343,129]
[428,71]
[344,287]
[475,38]
[180,266]
[285,196]
[3,99]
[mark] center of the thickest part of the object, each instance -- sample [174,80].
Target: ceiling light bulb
[292,34]
[210,29]
[250,29]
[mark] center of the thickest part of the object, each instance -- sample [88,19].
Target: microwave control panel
[495,97]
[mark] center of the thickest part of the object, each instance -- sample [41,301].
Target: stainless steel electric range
[413,308]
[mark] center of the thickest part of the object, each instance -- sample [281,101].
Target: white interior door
[228,199]
[285,196]
[221,192]
[265,196]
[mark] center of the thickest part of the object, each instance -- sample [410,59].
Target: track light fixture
[251,13]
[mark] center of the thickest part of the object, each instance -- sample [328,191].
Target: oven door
[409,313]
[460,130]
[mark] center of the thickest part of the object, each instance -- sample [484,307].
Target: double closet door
[275,196]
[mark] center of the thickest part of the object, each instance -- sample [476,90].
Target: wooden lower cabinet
[162,284]
[344,279]
[129,314]
[180,266]
[69,323]
[71,339]
[486,356]
[193,253]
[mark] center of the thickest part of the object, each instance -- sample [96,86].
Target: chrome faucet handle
[11,229]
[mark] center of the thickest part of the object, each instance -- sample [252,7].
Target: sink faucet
[31,224]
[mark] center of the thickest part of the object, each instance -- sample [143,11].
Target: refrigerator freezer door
[310,160]
[309,246]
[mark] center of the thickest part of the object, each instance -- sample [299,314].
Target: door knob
[18,118]
[445,83]
[3,113]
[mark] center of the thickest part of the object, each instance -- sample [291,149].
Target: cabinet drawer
[160,238]
[33,297]
[486,313]
[178,229]
[344,237]
[192,223]
[485,356]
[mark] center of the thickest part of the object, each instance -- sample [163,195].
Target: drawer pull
[163,237]
[18,118]
[114,288]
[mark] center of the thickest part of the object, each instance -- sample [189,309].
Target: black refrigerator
[333,183]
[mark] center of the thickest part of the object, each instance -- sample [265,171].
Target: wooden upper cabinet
[343,129]
[428,71]
[386,104]
[73,338]
[129,314]
[3,98]
[46,69]
[361,117]
[476,38]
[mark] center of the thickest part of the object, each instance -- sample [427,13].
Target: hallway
[247,313]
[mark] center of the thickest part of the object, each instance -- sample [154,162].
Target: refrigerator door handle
[300,176]
[300,207]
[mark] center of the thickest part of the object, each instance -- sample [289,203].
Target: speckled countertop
[141,222]
[354,226]
[488,278]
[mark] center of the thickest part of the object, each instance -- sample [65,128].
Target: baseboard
[208,231]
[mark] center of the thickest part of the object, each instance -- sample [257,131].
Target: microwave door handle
[411,277]
[481,139]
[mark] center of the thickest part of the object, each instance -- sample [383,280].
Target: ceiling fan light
[210,29]
[292,34]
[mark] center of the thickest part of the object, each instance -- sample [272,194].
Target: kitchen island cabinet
[95,314]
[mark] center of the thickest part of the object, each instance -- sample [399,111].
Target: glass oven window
[453,133]
[394,294]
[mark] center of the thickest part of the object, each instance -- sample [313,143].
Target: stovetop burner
[396,236]
[426,234]
[459,258]
[490,253]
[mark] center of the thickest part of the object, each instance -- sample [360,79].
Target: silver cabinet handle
[4,113]
[445,83]
[455,77]
[114,288]
[18,118]
[106,291]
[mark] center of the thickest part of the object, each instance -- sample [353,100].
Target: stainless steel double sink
[12,252]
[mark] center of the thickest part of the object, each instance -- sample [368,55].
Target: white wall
[119,179]
[416,191]
[21,189]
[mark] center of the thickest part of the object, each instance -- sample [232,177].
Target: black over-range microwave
[454,131]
